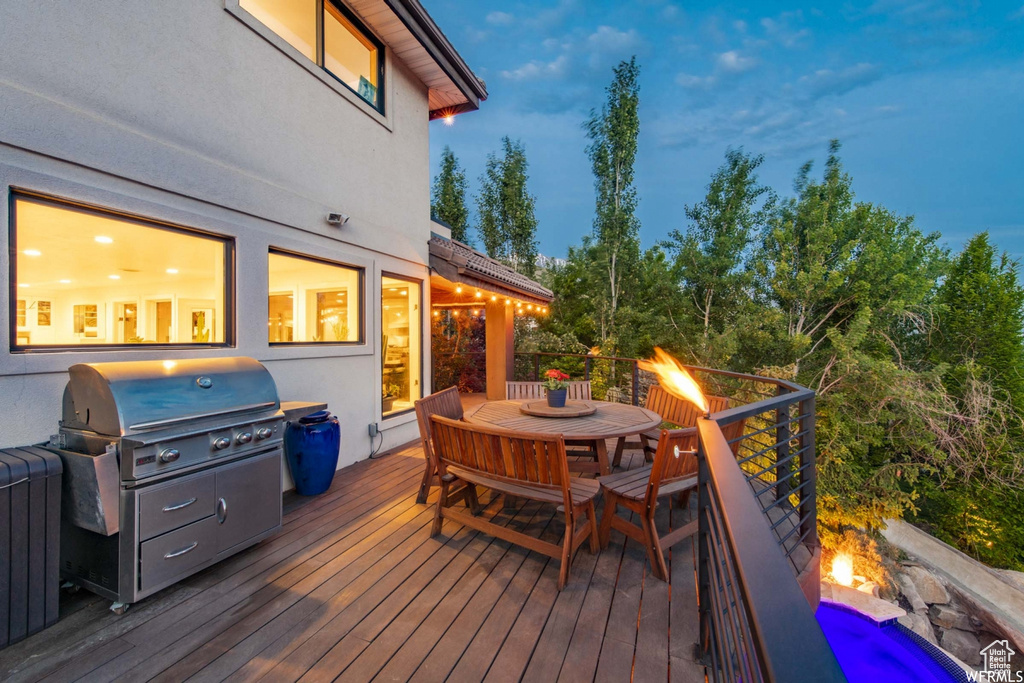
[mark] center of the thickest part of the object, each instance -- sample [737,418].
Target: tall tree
[711,257]
[505,206]
[448,196]
[613,134]
[982,317]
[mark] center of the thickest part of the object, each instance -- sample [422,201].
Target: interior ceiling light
[65,282]
[103,239]
[23,284]
[172,271]
[114,277]
[32,252]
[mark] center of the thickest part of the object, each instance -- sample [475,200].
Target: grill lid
[117,399]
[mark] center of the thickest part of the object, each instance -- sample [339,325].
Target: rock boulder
[963,645]
[928,586]
[920,625]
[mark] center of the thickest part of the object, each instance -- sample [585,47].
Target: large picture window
[401,337]
[88,277]
[338,42]
[313,301]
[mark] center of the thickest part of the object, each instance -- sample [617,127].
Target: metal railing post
[703,579]
[586,368]
[782,436]
[536,367]
[808,479]
[636,383]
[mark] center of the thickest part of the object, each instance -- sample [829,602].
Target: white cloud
[733,62]
[740,25]
[499,18]
[609,39]
[780,31]
[475,35]
[691,81]
[535,70]
[824,82]
[671,12]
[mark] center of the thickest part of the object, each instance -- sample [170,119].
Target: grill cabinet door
[248,499]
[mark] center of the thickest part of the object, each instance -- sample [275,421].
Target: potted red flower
[557,384]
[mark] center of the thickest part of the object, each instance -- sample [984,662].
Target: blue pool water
[869,653]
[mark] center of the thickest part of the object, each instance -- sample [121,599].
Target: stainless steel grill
[171,466]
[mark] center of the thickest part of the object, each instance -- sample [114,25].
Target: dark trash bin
[30,483]
[311,446]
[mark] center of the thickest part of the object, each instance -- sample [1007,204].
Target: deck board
[355,589]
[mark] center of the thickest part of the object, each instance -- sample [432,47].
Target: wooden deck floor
[354,589]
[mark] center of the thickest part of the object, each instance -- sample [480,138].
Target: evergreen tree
[448,196]
[982,318]
[505,206]
[615,251]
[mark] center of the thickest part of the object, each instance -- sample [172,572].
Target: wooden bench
[532,466]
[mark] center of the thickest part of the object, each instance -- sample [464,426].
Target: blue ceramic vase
[556,397]
[311,447]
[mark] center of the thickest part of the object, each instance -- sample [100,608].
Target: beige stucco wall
[180,111]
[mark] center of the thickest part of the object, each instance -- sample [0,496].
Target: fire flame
[842,569]
[674,378]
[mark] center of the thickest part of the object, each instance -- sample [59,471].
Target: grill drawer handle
[179,506]
[179,553]
[222,510]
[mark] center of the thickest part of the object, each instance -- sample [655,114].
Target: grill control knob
[264,433]
[221,443]
[244,437]
[169,455]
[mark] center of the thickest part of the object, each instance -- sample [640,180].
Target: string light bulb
[478,295]
[458,290]
[494,297]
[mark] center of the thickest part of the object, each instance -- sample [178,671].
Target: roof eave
[429,35]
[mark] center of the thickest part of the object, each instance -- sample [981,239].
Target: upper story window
[86,277]
[330,35]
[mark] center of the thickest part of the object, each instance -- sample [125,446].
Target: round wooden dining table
[609,421]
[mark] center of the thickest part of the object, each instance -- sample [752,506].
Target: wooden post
[500,349]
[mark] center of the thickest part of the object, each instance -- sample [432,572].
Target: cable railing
[758,553]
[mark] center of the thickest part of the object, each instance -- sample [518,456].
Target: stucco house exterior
[171,171]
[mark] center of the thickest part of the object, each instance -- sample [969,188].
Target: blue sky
[926,96]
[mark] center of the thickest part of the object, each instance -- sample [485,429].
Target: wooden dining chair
[515,391]
[674,471]
[447,404]
[578,391]
[673,410]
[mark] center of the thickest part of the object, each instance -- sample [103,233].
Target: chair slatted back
[676,457]
[578,391]
[445,403]
[535,460]
[677,411]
